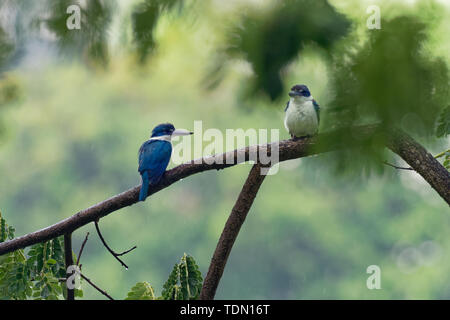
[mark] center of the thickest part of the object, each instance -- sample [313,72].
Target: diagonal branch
[81,249]
[231,231]
[103,292]
[423,162]
[399,142]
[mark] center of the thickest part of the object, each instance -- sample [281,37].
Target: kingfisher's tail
[144,186]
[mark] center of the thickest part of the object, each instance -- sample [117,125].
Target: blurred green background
[75,107]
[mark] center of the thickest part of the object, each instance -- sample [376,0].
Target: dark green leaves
[144,19]
[6,232]
[89,42]
[184,283]
[270,39]
[34,275]
[390,80]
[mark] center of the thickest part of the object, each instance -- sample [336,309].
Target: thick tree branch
[288,149]
[231,231]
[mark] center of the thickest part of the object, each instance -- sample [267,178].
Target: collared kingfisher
[302,113]
[154,155]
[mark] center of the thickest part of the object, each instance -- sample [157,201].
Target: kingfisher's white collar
[164,138]
[301,99]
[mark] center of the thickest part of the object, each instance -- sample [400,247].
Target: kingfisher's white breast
[301,118]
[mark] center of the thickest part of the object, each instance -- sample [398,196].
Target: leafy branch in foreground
[34,274]
[184,283]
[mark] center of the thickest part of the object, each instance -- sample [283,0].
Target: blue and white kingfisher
[154,155]
[302,113]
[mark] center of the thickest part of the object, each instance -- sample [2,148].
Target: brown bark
[231,231]
[421,161]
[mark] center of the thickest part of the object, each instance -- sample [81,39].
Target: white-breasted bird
[302,113]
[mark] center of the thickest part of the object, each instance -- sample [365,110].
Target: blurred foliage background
[75,105]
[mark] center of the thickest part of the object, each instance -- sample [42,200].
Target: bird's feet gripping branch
[302,113]
[154,155]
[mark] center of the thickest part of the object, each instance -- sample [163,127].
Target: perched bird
[302,113]
[154,155]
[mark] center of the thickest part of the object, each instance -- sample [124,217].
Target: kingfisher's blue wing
[154,156]
[317,108]
[287,106]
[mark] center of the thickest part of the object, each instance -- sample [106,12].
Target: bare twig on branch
[83,276]
[397,167]
[81,249]
[96,287]
[69,261]
[399,142]
[115,255]
[231,231]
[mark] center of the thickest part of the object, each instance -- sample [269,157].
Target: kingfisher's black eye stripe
[300,88]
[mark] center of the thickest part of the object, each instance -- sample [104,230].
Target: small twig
[397,167]
[68,261]
[98,289]
[115,255]
[81,249]
[125,252]
[231,231]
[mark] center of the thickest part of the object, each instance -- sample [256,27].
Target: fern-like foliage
[184,283]
[34,274]
[141,291]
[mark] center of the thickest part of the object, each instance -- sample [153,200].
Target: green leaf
[6,232]
[51,261]
[185,281]
[141,291]
[190,278]
[171,283]
[78,293]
